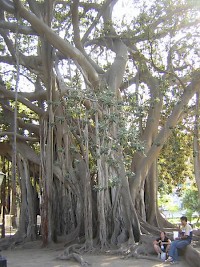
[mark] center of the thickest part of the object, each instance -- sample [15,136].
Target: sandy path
[46,257]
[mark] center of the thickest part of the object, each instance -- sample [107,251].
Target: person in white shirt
[183,240]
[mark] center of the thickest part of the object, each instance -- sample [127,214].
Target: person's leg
[175,245]
[173,252]
[182,244]
[157,249]
[167,250]
[175,258]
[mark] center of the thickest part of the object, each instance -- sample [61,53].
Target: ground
[33,255]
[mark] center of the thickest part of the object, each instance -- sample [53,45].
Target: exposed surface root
[136,250]
[124,250]
[147,257]
[73,253]
[74,256]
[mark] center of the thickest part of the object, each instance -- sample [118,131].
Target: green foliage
[174,164]
[191,200]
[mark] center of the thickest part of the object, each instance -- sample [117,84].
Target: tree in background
[191,202]
[106,96]
[175,166]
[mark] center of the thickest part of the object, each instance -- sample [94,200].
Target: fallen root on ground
[75,256]
[72,253]
[135,251]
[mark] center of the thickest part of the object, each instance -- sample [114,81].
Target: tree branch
[57,42]
[13,27]
[165,132]
[20,137]
[11,95]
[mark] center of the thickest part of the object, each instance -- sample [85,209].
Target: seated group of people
[163,245]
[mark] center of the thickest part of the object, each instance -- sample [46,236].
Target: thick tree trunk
[43,184]
[102,188]
[31,228]
[27,219]
[151,187]
[23,216]
[145,163]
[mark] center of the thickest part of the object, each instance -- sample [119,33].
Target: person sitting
[183,240]
[162,244]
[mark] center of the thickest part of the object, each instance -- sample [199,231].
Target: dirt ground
[35,255]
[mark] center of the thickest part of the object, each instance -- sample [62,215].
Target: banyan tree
[88,98]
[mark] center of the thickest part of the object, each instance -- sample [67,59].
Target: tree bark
[196,145]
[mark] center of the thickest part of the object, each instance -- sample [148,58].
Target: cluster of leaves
[191,201]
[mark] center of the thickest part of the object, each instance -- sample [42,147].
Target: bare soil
[33,255]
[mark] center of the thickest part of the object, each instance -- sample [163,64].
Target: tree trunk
[23,216]
[196,145]
[151,189]
[43,184]
[28,213]
[13,210]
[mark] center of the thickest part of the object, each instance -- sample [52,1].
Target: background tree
[191,202]
[98,100]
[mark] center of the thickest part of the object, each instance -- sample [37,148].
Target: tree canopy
[88,100]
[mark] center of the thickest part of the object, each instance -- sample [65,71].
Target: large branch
[31,127]
[75,23]
[77,40]
[25,149]
[28,152]
[57,42]
[9,44]
[11,95]
[32,63]
[19,136]
[7,5]
[14,27]
[165,132]
[116,72]
[96,20]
